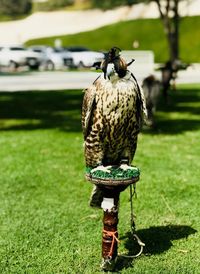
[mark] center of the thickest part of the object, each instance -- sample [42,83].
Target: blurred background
[71,35]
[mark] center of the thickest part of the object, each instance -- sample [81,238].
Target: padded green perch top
[114,175]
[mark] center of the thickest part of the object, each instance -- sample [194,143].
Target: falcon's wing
[140,104]
[87,108]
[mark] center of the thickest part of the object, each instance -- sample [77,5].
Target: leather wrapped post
[111,188]
[110,233]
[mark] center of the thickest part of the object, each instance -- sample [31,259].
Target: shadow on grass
[62,109]
[173,126]
[181,114]
[40,110]
[157,240]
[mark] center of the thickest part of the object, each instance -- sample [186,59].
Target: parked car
[53,58]
[15,56]
[84,57]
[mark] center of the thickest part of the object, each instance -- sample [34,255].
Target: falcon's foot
[126,167]
[102,168]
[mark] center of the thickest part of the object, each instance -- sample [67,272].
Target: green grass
[149,33]
[45,221]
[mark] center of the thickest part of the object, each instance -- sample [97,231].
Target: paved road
[70,80]
[46,81]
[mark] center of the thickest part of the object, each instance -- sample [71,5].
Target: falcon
[113,111]
[152,91]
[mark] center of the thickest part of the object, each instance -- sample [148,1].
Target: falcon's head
[114,63]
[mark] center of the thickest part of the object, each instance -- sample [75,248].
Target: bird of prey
[112,114]
[152,91]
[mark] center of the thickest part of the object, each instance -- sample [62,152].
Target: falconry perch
[112,114]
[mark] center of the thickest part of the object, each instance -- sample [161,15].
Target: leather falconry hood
[113,56]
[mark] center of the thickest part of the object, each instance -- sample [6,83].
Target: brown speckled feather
[87,108]
[112,112]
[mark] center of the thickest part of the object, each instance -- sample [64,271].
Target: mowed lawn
[46,225]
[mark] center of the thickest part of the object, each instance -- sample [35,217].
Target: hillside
[62,22]
[149,33]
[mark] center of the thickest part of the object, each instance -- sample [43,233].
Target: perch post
[111,188]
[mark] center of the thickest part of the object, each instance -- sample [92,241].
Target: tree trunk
[174,36]
[171,25]
[170,17]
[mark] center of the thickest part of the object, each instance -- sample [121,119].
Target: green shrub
[109,4]
[52,5]
[15,7]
